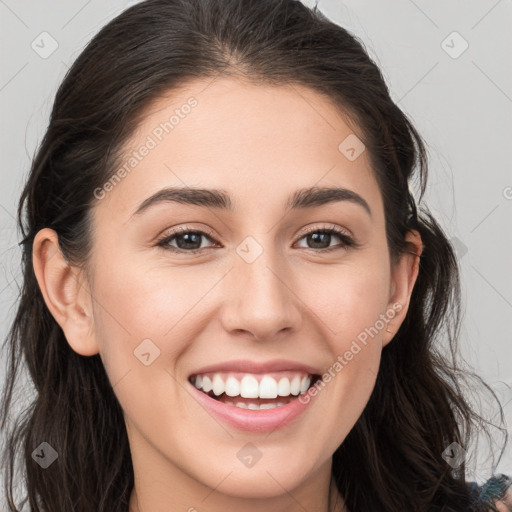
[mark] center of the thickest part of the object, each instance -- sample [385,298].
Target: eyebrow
[220,199]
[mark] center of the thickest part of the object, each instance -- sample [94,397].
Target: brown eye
[187,240]
[320,239]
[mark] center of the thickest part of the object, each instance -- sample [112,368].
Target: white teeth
[254,407]
[207,384]
[268,406]
[304,384]
[249,387]
[294,386]
[218,385]
[268,387]
[283,388]
[232,387]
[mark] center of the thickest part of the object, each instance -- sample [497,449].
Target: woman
[230,300]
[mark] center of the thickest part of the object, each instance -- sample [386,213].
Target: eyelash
[346,240]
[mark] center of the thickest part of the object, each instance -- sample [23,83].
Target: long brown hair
[392,459]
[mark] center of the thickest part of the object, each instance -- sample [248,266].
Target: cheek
[348,300]
[144,323]
[353,308]
[140,321]
[136,303]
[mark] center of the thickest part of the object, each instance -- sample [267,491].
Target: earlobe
[403,278]
[67,298]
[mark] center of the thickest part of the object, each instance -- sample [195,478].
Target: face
[244,293]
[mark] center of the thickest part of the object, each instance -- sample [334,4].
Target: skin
[260,144]
[505,504]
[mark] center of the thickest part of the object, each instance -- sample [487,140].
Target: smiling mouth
[254,391]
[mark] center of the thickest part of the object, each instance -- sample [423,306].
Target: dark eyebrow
[317,196]
[208,198]
[219,199]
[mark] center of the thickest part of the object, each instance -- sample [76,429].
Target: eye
[187,240]
[321,238]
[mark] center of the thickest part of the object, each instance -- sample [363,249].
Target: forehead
[260,143]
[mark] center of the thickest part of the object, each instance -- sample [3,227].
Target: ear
[403,277]
[65,292]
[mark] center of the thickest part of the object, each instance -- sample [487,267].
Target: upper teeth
[253,386]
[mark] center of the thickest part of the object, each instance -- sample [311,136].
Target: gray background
[460,101]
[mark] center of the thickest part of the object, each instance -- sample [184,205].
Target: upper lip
[247,366]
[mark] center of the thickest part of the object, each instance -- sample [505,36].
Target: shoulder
[496,493]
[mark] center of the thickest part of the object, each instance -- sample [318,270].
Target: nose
[259,299]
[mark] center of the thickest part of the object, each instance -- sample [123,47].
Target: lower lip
[259,420]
